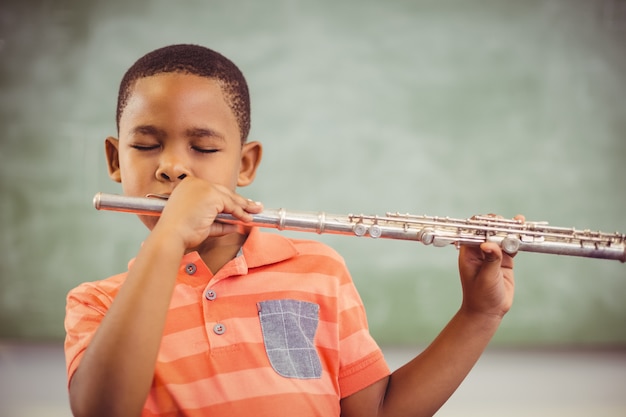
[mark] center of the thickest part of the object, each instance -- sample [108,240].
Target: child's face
[176,125]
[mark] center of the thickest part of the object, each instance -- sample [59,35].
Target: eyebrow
[199,132]
[149,130]
[195,132]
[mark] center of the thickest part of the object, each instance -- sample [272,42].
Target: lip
[161,196]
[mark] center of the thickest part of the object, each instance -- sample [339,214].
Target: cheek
[133,185]
[224,171]
[234,179]
[134,173]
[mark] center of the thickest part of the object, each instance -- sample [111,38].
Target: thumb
[492,257]
[221,229]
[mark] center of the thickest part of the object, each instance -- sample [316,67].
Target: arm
[423,385]
[116,371]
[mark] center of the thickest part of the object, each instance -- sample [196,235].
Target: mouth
[161,196]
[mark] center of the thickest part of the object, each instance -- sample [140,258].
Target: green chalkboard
[447,108]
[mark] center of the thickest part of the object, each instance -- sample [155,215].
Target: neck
[218,251]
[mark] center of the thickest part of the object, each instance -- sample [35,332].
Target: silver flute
[510,234]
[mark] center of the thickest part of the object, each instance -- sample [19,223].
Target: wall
[428,107]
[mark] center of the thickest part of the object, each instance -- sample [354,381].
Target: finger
[507,260]
[254,206]
[241,208]
[470,260]
[493,257]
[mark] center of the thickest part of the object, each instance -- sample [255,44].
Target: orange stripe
[183,343]
[352,320]
[249,356]
[194,340]
[353,347]
[250,383]
[321,283]
[185,296]
[285,405]
[321,264]
[246,305]
[368,370]
[238,307]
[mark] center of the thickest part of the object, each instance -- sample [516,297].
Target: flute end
[96,200]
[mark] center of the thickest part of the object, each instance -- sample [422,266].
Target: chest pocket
[289,328]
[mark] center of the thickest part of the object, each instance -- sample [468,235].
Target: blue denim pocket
[289,328]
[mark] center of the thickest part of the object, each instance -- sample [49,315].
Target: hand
[193,206]
[487,278]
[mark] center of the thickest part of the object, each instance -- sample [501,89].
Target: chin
[149,221]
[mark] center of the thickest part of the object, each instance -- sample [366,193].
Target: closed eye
[204,150]
[144,147]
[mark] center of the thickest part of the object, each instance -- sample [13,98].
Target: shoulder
[303,247]
[265,248]
[280,252]
[306,246]
[97,292]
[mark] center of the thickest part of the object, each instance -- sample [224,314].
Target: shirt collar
[262,248]
[259,249]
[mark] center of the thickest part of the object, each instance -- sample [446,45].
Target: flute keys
[426,236]
[374,231]
[510,244]
[360,229]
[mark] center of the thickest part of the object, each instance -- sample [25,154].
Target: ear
[250,159]
[111,149]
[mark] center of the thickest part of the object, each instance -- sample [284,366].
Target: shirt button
[210,295]
[219,328]
[190,269]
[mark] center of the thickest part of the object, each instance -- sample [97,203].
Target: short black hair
[195,60]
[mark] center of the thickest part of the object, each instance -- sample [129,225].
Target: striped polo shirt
[279,331]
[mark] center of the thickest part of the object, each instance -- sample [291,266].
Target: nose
[171,168]
[168,178]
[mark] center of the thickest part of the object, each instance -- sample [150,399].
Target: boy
[218,320]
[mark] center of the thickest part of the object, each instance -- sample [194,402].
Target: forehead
[173,85]
[179,97]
